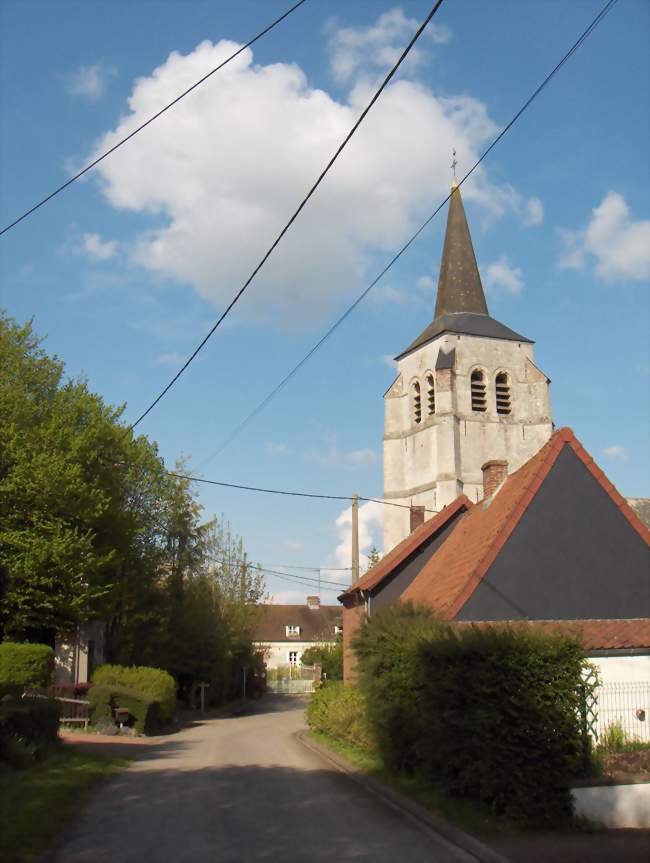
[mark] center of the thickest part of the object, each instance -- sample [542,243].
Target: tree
[329,656]
[374,556]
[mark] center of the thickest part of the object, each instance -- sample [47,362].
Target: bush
[158,685]
[328,656]
[144,710]
[25,665]
[29,727]
[340,712]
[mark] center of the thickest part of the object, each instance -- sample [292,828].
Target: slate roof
[465,323]
[315,623]
[451,576]
[594,634]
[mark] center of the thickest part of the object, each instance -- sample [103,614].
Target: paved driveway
[239,790]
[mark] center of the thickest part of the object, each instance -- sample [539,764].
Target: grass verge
[468,816]
[38,801]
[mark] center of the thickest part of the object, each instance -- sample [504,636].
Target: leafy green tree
[328,656]
[374,556]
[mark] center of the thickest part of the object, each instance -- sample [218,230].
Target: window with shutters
[479,403]
[417,403]
[502,390]
[431,395]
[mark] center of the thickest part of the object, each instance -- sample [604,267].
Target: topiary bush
[145,711]
[341,712]
[24,665]
[29,727]
[158,685]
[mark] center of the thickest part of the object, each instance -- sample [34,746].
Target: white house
[284,632]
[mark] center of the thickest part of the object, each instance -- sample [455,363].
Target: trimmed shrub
[340,712]
[25,665]
[328,656]
[144,710]
[29,727]
[154,683]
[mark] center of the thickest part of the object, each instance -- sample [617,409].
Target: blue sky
[126,271]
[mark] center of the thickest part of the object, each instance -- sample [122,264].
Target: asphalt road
[243,790]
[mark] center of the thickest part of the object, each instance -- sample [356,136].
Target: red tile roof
[407,546]
[450,577]
[594,634]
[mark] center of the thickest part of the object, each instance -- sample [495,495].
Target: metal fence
[293,679]
[625,706]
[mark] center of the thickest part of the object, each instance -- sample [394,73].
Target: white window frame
[292,629]
[293,663]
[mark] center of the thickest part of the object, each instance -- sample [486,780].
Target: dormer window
[477,382]
[417,404]
[502,388]
[431,395]
[338,629]
[292,630]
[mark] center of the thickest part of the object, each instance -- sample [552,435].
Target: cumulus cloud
[500,277]
[222,171]
[334,457]
[616,451]
[375,49]
[617,245]
[425,283]
[90,82]
[101,250]
[371,520]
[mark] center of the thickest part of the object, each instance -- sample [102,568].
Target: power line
[151,119]
[301,578]
[295,215]
[287,493]
[277,389]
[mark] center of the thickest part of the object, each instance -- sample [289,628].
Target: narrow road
[244,790]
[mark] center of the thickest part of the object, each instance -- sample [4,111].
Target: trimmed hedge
[341,712]
[158,685]
[29,727]
[144,710]
[24,665]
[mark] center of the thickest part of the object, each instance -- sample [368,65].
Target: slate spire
[459,285]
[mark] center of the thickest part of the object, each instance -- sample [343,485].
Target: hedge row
[487,713]
[341,712]
[29,727]
[144,710]
[24,666]
[153,683]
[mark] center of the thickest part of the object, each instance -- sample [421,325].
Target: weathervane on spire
[453,164]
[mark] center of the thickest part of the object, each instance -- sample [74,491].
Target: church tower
[467,392]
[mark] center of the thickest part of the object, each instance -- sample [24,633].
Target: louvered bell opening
[417,404]
[431,396]
[479,403]
[502,388]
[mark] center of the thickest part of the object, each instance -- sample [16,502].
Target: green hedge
[158,685]
[490,714]
[29,727]
[25,665]
[341,712]
[144,710]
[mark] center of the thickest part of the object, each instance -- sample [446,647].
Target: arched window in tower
[431,395]
[417,403]
[502,388]
[478,391]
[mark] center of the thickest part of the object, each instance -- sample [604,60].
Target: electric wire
[292,219]
[151,119]
[303,578]
[279,387]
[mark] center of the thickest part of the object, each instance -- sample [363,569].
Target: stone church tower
[467,392]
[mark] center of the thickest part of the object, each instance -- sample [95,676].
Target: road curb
[453,834]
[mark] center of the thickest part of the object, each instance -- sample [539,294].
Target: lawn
[37,802]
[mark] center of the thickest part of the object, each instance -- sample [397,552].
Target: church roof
[460,303]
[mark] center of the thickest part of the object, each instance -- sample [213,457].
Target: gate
[293,680]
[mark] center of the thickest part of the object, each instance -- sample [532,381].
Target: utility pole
[355,538]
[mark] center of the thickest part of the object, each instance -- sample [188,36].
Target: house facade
[284,632]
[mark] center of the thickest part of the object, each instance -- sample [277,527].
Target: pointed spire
[459,285]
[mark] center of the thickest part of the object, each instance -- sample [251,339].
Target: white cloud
[501,277]
[293,545]
[616,451]
[425,283]
[90,82]
[371,520]
[93,246]
[374,49]
[276,448]
[169,359]
[224,169]
[334,457]
[618,246]
[389,360]
[299,597]
[533,213]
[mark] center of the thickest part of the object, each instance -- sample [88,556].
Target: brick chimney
[417,517]
[313,601]
[494,472]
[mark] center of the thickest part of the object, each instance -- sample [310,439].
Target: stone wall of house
[431,462]
[276,653]
[77,654]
